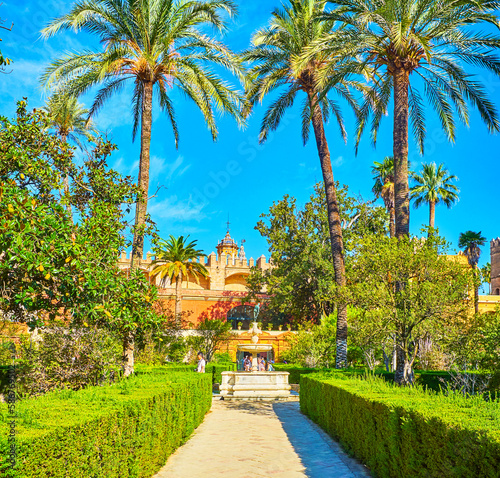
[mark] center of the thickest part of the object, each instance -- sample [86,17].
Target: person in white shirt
[201,363]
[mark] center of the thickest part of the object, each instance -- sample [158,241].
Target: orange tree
[50,266]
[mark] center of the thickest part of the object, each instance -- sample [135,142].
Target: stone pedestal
[255,386]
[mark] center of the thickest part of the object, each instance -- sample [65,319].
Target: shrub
[127,429]
[296,371]
[214,370]
[314,344]
[406,431]
[5,351]
[67,358]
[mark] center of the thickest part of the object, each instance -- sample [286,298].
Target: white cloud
[338,162]
[176,210]
[167,172]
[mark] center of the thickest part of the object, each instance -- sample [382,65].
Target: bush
[406,431]
[4,378]
[214,370]
[67,358]
[438,380]
[296,371]
[313,345]
[127,429]
[5,351]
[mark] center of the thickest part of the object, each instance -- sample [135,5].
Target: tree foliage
[435,294]
[211,334]
[301,281]
[51,265]
[313,345]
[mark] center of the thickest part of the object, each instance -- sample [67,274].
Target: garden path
[259,439]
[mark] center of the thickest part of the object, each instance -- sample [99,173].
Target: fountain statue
[255,385]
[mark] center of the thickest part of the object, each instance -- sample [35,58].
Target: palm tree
[70,121]
[486,275]
[428,42]
[175,260]
[471,242]
[158,44]
[383,174]
[434,187]
[292,29]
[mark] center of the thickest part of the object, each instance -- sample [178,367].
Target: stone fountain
[255,385]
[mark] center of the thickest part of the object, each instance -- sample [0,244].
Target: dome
[227,246]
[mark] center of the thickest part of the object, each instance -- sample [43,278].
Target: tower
[495,266]
[227,246]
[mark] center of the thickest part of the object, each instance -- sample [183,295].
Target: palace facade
[218,295]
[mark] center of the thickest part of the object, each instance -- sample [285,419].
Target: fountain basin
[255,385]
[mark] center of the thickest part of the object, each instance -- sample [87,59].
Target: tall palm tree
[383,174]
[158,45]
[292,29]
[70,121]
[486,275]
[410,44]
[175,261]
[434,186]
[471,243]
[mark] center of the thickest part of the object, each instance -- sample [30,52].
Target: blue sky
[204,182]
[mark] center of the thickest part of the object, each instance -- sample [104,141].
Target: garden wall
[127,429]
[402,432]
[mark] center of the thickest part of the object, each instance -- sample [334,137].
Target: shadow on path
[247,406]
[320,455]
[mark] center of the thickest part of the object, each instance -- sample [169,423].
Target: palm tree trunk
[400,152]
[178,299]
[392,222]
[432,213]
[401,188]
[335,228]
[140,211]
[143,179]
[476,291]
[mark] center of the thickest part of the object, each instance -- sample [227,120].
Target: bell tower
[227,246]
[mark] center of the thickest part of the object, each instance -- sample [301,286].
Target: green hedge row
[427,378]
[403,432]
[127,429]
[214,370]
[296,371]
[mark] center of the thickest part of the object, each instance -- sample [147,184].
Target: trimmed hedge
[213,369]
[430,379]
[403,432]
[296,371]
[127,429]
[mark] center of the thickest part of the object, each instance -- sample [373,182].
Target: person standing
[201,363]
[262,364]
